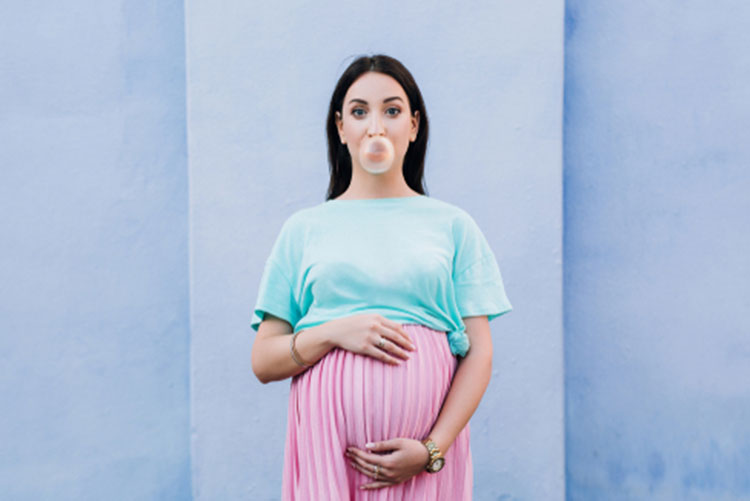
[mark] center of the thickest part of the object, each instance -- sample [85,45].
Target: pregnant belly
[351,399]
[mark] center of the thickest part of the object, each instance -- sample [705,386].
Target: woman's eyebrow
[357,100]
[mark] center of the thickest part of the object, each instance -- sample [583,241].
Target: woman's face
[376,104]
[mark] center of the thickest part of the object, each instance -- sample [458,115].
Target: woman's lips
[376,150]
[376,155]
[377,147]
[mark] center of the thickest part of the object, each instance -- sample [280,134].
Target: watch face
[437,465]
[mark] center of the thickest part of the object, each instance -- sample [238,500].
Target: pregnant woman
[377,304]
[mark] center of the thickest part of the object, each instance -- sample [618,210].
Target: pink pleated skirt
[347,399]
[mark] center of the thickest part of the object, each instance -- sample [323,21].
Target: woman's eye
[392,111]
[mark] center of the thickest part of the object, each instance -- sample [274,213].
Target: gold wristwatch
[437,461]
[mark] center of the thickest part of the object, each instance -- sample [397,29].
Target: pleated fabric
[347,399]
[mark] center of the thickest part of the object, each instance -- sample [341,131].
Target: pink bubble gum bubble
[377,147]
[377,155]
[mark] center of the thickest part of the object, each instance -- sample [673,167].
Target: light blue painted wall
[259,82]
[93,268]
[94,216]
[657,239]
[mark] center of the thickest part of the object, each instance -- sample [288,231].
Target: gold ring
[381,343]
[377,470]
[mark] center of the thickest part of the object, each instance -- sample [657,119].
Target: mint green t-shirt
[411,259]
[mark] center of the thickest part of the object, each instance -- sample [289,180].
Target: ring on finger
[381,343]
[377,470]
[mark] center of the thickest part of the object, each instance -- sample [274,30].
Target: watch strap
[434,452]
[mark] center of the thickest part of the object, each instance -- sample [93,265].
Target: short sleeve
[477,280]
[276,292]
[275,296]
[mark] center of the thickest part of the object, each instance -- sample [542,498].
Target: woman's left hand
[406,457]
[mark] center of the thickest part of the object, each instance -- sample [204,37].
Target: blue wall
[260,78]
[99,375]
[657,246]
[94,327]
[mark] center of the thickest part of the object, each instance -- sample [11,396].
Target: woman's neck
[376,186]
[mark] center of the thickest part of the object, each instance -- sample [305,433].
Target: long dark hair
[339,160]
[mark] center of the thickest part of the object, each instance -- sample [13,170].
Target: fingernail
[369,445]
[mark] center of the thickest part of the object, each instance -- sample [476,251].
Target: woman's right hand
[361,334]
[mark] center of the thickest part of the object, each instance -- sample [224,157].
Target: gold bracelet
[295,354]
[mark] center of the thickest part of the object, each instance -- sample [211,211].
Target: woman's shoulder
[303,215]
[445,205]
[448,211]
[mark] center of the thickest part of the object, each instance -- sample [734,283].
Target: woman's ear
[340,127]
[414,126]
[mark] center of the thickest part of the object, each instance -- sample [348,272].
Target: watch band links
[434,452]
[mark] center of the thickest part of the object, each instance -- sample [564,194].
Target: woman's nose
[376,125]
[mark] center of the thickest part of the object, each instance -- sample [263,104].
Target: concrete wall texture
[149,153]
[492,82]
[657,246]
[94,325]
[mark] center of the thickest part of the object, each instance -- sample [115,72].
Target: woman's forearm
[272,359]
[469,384]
